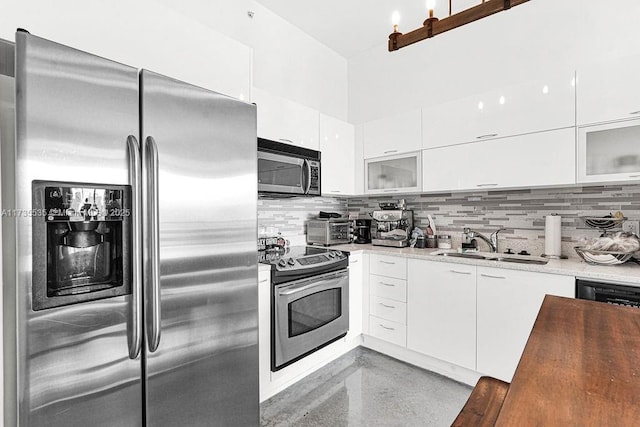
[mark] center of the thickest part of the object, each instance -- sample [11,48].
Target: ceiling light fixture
[433,26]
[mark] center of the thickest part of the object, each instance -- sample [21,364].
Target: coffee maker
[362,231]
[392,228]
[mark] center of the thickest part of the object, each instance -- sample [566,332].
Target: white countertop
[626,273]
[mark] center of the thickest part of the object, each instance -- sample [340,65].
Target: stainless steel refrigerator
[129,251]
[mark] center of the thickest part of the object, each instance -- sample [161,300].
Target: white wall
[204,42]
[286,61]
[503,49]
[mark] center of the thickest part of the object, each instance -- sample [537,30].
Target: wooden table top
[581,367]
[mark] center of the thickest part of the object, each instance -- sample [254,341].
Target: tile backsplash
[521,212]
[287,216]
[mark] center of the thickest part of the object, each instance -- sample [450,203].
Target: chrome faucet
[492,241]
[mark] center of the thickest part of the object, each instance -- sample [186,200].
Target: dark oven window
[314,311]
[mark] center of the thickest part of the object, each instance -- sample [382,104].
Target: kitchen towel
[552,236]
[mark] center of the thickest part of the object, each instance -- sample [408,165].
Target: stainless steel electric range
[309,301]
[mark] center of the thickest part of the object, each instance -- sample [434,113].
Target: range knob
[282,263]
[338,254]
[292,261]
[331,254]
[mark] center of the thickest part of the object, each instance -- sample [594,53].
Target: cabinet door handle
[635,112]
[388,306]
[388,262]
[486,185]
[390,191]
[390,151]
[353,261]
[489,135]
[390,329]
[286,140]
[336,191]
[492,277]
[634,176]
[391,285]
[263,281]
[460,272]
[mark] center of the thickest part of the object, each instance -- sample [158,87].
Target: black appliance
[610,293]
[362,231]
[287,170]
[309,302]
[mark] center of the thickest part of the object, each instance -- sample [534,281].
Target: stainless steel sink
[494,257]
[520,260]
[459,255]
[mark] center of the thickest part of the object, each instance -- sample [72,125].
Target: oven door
[309,314]
[283,174]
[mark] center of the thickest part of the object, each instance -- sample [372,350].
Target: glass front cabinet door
[609,152]
[393,174]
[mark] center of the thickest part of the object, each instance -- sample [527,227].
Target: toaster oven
[332,231]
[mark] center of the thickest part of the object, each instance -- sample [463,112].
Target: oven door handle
[297,290]
[326,281]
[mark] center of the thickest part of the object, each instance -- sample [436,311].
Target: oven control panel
[292,263]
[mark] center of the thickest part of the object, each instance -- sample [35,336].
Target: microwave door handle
[306,176]
[135,168]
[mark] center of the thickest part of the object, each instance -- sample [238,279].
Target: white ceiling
[353,26]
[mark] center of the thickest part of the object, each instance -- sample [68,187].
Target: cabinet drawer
[388,266]
[388,287]
[387,330]
[388,309]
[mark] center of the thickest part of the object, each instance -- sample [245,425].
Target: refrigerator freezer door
[205,369]
[74,113]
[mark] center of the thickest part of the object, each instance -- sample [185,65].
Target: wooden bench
[484,403]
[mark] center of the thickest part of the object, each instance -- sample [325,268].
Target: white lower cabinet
[388,266]
[507,307]
[356,266]
[388,299]
[388,309]
[441,311]
[387,330]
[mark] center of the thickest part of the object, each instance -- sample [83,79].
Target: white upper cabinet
[394,174]
[337,147]
[359,159]
[540,105]
[400,133]
[609,152]
[609,90]
[286,121]
[537,159]
[608,115]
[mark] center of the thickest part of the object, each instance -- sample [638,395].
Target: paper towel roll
[552,235]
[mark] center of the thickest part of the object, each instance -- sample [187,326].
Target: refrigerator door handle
[135,337]
[152,244]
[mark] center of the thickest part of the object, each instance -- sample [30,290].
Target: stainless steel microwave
[287,170]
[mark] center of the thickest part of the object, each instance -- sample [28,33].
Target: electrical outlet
[631,227]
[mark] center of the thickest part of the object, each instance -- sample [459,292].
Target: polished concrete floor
[366,388]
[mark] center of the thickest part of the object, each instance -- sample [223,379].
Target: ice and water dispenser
[81,242]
